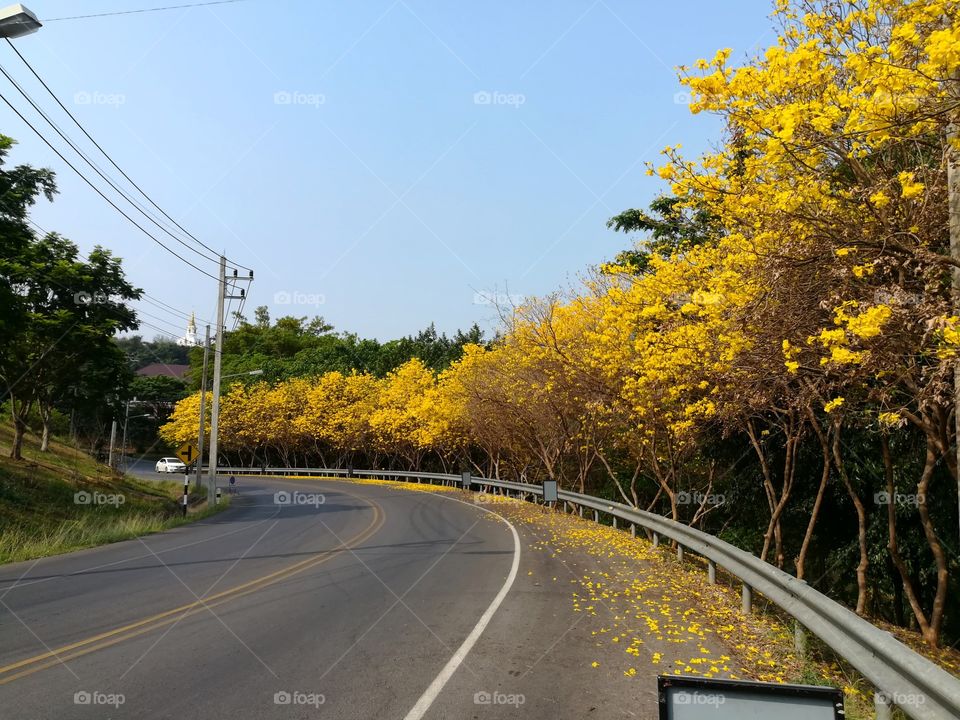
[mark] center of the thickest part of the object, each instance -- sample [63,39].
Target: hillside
[63,500]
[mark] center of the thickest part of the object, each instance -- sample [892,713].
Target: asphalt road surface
[146,469]
[375,603]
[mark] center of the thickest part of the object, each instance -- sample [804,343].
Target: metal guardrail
[903,678]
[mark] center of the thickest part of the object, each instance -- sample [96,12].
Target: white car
[171,465]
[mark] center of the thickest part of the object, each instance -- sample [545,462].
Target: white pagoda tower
[190,339]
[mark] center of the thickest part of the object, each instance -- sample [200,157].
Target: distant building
[190,339]
[162,369]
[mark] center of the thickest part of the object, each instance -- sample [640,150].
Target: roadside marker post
[186,490]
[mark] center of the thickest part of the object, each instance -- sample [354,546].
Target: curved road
[376,603]
[356,604]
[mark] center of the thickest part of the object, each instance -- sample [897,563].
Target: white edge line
[436,687]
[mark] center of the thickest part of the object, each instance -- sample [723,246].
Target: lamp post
[126,418]
[16,21]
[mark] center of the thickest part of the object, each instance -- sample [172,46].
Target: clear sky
[383,163]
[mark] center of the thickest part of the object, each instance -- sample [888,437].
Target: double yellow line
[22,668]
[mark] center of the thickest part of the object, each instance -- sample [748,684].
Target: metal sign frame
[665,683]
[550,491]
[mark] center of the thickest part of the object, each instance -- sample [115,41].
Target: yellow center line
[112,637]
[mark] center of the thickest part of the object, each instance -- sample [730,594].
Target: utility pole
[222,294]
[123,445]
[203,407]
[215,399]
[113,440]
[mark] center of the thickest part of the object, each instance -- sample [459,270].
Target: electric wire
[96,168]
[146,10]
[101,193]
[111,160]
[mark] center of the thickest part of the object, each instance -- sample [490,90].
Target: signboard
[188,452]
[465,479]
[549,491]
[690,698]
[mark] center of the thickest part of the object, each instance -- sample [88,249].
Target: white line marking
[436,687]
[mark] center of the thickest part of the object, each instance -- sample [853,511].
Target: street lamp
[127,418]
[16,21]
[249,372]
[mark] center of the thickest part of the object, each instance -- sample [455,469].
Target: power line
[101,194]
[96,168]
[111,160]
[159,330]
[239,312]
[155,317]
[165,306]
[146,10]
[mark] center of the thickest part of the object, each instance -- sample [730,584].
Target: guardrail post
[882,706]
[614,521]
[656,540]
[581,508]
[711,572]
[596,516]
[679,552]
[747,604]
[799,639]
[633,530]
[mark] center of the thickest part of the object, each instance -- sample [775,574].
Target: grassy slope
[38,514]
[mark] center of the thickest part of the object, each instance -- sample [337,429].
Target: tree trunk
[19,410]
[46,413]
[932,634]
[821,491]
[893,547]
[862,586]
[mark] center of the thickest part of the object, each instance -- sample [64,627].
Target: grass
[42,508]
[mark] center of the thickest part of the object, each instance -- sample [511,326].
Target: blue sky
[385,164]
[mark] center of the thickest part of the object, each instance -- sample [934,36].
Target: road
[377,603]
[146,469]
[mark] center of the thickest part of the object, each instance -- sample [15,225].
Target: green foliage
[672,229]
[300,347]
[141,353]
